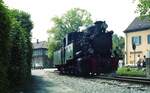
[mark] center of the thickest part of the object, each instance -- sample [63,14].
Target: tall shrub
[25,22]
[21,49]
[4,46]
[17,57]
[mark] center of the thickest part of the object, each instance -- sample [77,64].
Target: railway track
[127,79]
[122,78]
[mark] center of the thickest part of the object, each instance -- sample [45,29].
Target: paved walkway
[41,83]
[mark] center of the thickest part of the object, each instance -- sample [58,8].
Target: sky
[118,14]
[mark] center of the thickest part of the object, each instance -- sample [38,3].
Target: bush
[20,50]
[15,49]
[4,46]
[130,71]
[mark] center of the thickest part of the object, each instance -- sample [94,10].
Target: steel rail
[141,80]
[127,79]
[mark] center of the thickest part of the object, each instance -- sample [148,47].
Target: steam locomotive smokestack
[101,26]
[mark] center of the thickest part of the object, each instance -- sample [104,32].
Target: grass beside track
[131,71]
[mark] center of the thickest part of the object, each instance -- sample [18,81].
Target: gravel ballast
[48,81]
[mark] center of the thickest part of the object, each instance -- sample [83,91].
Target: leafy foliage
[23,18]
[25,22]
[17,54]
[15,48]
[118,45]
[69,22]
[52,47]
[144,8]
[4,46]
[21,49]
[130,71]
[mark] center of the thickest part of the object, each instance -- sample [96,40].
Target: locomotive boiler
[87,52]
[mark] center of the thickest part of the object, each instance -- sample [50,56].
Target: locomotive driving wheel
[81,68]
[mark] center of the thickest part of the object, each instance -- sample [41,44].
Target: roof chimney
[37,41]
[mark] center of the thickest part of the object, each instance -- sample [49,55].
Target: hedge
[15,49]
[4,46]
[131,71]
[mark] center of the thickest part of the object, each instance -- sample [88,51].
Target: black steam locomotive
[87,52]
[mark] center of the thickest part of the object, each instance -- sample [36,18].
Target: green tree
[118,45]
[52,46]
[143,8]
[69,22]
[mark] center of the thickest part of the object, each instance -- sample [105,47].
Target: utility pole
[134,47]
[134,57]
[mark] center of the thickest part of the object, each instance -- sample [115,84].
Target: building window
[45,52]
[148,39]
[37,52]
[136,40]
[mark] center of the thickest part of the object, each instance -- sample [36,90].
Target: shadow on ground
[38,85]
